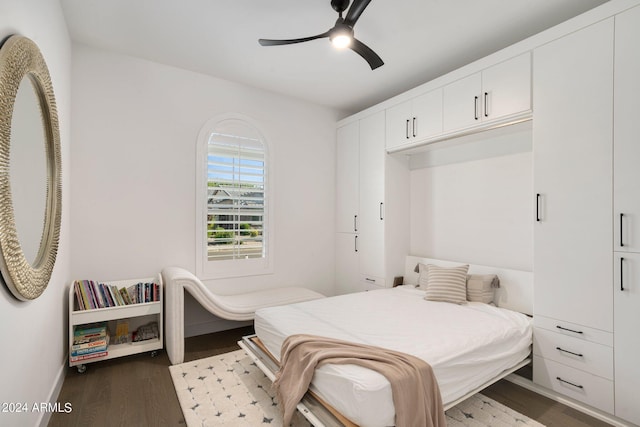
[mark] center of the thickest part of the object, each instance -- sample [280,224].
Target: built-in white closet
[626,215]
[584,78]
[372,195]
[572,265]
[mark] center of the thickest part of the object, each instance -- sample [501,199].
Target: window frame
[218,269]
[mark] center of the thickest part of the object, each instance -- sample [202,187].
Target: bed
[469,346]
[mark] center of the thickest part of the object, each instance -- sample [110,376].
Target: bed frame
[515,293]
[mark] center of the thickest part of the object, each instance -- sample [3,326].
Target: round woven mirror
[30,127]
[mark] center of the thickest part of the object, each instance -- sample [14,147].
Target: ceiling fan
[341,35]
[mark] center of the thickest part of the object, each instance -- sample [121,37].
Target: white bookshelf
[135,314]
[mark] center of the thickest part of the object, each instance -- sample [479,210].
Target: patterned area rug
[230,390]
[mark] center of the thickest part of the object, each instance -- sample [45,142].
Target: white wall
[33,334]
[473,202]
[135,129]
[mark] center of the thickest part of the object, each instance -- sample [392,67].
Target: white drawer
[372,282]
[574,330]
[576,384]
[577,353]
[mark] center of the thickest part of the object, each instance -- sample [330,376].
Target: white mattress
[466,345]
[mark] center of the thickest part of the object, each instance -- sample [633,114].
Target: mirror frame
[20,58]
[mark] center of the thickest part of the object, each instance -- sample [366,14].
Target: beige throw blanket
[416,395]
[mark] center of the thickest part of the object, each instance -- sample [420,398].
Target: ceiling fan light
[341,41]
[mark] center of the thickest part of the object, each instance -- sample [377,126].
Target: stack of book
[89,341]
[91,295]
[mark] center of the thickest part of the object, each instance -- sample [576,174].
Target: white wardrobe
[372,220]
[587,233]
[626,215]
[573,151]
[579,83]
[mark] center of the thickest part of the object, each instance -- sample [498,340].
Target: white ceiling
[417,39]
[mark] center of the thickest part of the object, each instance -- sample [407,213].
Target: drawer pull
[370,280]
[569,330]
[570,352]
[570,383]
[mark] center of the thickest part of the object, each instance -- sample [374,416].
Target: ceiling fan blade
[268,42]
[365,51]
[356,9]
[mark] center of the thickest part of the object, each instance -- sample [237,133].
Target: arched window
[233,210]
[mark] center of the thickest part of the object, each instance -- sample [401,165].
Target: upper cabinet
[417,119]
[496,93]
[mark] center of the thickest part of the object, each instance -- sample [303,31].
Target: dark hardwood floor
[138,391]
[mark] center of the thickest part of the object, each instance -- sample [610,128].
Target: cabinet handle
[414,127]
[486,104]
[538,207]
[370,280]
[569,330]
[621,242]
[570,383]
[406,129]
[570,352]
[355,243]
[355,223]
[381,211]
[475,107]
[621,273]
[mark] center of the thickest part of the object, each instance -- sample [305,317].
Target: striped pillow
[446,284]
[481,287]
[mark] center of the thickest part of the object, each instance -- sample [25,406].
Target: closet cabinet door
[462,103]
[627,133]
[426,120]
[494,94]
[372,185]
[398,125]
[626,337]
[506,88]
[414,120]
[572,151]
[347,274]
[347,176]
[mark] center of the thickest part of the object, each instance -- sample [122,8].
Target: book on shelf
[89,344]
[91,295]
[86,351]
[89,341]
[85,334]
[88,356]
[122,332]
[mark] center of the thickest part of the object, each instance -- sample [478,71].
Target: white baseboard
[579,406]
[45,416]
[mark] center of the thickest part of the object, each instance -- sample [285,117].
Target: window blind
[235,197]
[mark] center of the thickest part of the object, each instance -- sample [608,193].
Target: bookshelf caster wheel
[82,369]
[154,353]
